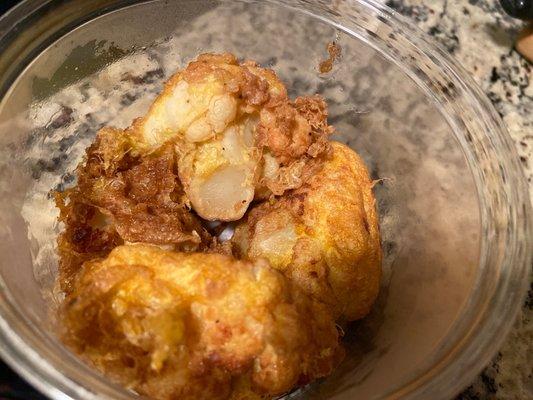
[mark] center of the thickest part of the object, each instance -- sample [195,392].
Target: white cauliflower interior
[236,134]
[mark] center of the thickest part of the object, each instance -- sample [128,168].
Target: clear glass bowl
[455,215]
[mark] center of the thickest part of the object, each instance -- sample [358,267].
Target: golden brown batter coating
[141,194]
[323,236]
[197,326]
[124,197]
[82,238]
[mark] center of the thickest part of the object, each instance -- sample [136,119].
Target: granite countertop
[480,36]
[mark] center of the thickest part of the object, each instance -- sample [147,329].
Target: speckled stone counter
[480,36]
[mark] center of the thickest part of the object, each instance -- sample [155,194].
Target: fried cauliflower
[323,236]
[159,298]
[236,133]
[197,326]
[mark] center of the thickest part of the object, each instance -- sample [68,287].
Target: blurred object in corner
[524,43]
[522,9]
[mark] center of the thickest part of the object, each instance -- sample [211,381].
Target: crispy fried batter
[324,236]
[292,130]
[124,197]
[334,53]
[296,135]
[84,237]
[194,326]
[145,202]
[141,194]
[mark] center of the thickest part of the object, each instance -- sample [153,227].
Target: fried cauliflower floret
[236,133]
[323,236]
[197,326]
